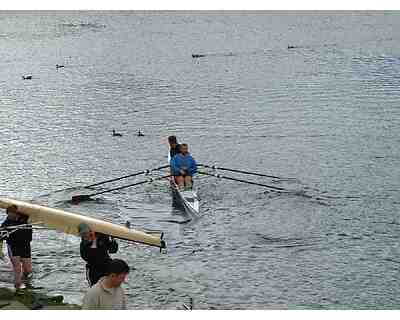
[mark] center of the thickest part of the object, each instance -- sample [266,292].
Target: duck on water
[116,134]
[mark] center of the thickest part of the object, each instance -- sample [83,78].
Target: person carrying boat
[183,167]
[94,249]
[174,146]
[19,237]
[107,293]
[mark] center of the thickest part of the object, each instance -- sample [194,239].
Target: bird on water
[116,134]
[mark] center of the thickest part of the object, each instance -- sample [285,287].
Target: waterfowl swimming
[140,134]
[198,55]
[291,47]
[28,77]
[116,134]
[59,66]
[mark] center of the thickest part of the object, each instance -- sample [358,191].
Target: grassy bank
[30,299]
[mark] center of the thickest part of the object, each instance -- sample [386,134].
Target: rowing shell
[68,222]
[188,199]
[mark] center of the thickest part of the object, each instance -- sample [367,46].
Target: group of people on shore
[104,274]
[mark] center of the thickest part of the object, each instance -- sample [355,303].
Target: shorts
[23,251]
[178,174]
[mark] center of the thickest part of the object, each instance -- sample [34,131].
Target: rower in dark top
[174,146]
[19,244]
[95,248]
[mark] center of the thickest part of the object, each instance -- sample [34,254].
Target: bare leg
[1,250]
[180,181]
[26,265]
[16,264]
[188,182]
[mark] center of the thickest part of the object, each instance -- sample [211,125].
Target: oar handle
[127,176]
[242,171]
[243,181]
[129,185]
[116,179]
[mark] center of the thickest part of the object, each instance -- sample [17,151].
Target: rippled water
[325,112]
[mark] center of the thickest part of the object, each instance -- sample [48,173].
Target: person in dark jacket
[19,237]
[94,249]
[174,146]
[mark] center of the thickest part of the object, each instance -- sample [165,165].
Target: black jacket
[20,236]
[98,257]
[174,151]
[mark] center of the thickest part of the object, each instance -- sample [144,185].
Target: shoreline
[28,298]
[32,299]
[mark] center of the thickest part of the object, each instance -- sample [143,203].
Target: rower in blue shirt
[183,167]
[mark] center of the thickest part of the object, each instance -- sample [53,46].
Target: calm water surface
[325,112]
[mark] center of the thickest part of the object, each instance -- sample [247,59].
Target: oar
[22,226]
[244,181]
[84,197]
[127,176]
[245,172]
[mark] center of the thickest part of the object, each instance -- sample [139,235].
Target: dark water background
[326,112]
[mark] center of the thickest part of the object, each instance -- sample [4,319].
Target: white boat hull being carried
[68,222]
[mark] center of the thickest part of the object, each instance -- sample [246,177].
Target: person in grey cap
[94,249]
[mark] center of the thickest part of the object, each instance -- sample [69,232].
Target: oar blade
[148,171]
[86,197]
[80,198]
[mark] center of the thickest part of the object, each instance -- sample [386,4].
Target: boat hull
[187,199]
[68,222]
